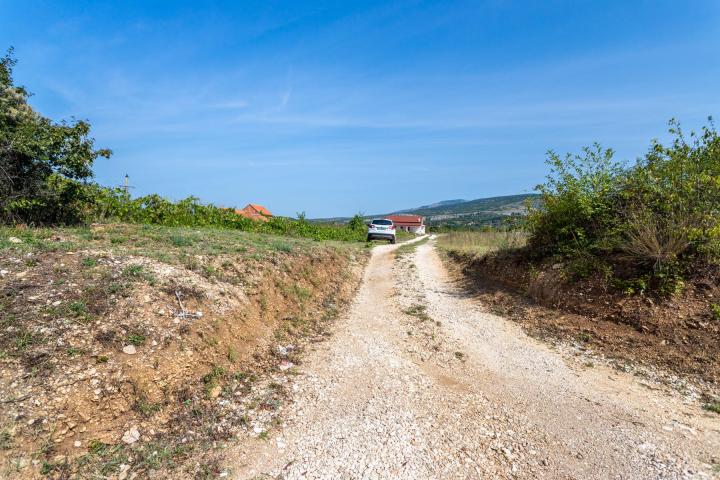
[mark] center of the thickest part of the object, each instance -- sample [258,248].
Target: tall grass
[481,243]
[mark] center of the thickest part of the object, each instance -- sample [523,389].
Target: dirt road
[418,382]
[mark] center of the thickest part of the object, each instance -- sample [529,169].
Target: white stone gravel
[392,396]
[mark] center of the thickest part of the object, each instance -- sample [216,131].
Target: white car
[381,228]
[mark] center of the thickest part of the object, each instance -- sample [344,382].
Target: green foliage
[89,262]
[115,205]
[579,202]
[715,309]
[136,339]
[42,163]
[662,214]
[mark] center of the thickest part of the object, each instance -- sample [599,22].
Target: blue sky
[338,107]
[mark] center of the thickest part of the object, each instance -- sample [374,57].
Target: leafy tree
[44,165]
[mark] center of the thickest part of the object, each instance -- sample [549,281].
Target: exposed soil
[103,372]
[680,335]
[418,381]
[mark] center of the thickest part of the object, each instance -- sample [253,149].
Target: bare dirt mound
[114,362]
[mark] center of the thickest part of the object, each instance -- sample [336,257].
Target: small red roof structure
[406,220]
[253,211]
[409,223]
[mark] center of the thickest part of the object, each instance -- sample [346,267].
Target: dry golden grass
[481,242]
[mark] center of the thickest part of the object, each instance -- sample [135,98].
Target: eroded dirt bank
[675,337]
[145,355]
[419,382]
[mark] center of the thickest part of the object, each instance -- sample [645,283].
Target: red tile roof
[260,209]
[255,212]
[406,220]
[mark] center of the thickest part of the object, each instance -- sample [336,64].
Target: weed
[5,440]
[89,262]
[712,406]
[117,288]
[31,262]
[102,359]
[209,271]
[584,337]
[459,355]
[409,248]
[97,447]
[146,408]
[212,378]
[232,354]
[7,320]
[181,241]
[154,456]
[23,339]
[133,271]
[632,286]
[74,352]
[418,311]
[102,459]
[302,293]
[135,339]
[282,247]
[78,308]
[715,309]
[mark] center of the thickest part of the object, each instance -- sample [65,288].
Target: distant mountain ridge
[442,203]
[464,213]
[478,212]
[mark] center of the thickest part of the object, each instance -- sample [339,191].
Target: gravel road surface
[419,382]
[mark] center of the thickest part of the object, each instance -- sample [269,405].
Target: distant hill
[442,203]
[464,213]
[473,213]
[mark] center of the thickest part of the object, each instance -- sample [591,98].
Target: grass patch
[180,241]
[418,311]
[136,339]
[73,352]
[23,339]
[88,262]
[712,407]
[409,248]
[481,243]
[147,408]
[133,271]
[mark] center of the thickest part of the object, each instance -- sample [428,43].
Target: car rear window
[381,222]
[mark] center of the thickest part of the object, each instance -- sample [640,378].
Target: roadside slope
[136,350]
[418,382]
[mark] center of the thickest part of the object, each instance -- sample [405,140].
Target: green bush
[662,213]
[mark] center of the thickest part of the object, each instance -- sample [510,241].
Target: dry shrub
[657,239]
